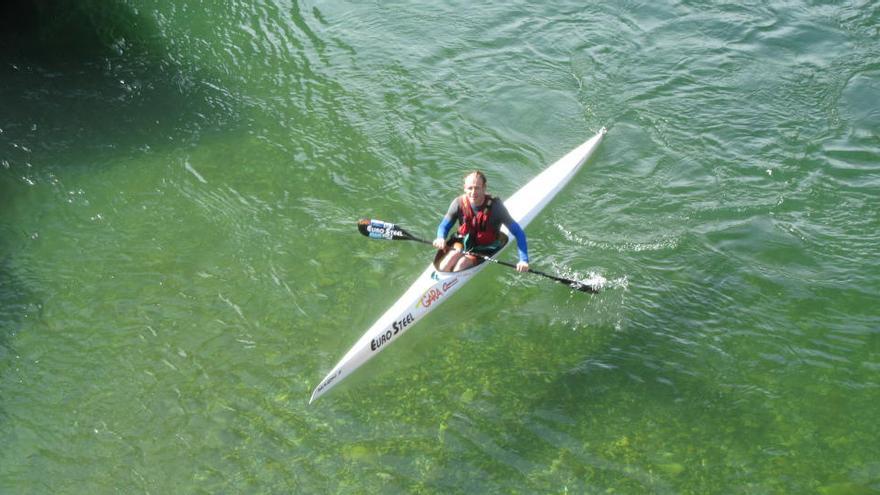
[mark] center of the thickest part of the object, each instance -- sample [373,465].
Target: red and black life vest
[475,227]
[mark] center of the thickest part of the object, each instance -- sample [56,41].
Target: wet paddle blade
[378,229]
[583,287]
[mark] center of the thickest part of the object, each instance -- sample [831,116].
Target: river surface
[180,267]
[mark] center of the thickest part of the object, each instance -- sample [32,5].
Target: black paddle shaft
[377,229]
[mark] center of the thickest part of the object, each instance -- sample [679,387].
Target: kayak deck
[428,291]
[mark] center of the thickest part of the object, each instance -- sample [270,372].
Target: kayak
[433,287]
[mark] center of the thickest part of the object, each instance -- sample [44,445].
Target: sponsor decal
[448,285]
[329,380]
[383,230]
[389,334]
[433,294]
[428,298]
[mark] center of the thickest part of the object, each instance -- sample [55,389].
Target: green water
[179,264]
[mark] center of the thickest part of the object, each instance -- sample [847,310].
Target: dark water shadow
[92,76]
[81,83]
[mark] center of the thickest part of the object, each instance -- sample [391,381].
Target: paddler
[480,217]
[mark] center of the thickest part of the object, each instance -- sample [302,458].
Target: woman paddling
[480,217]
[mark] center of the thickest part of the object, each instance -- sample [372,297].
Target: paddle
[377,229]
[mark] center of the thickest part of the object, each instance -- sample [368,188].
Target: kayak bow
[433,286]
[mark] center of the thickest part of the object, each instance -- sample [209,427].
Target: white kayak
[433,286]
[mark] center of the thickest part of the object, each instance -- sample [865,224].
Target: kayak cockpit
[479,257]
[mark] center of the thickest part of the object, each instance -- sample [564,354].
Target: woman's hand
[522,266]
[440,243]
